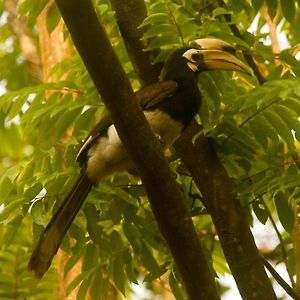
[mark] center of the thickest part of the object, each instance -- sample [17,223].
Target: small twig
[255,199]
[248,57]
[272,23]
[279,279]
[176,25]
[270,169]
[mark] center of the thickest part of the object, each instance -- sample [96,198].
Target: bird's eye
[196,56]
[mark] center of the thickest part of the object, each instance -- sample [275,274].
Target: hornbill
[169,107]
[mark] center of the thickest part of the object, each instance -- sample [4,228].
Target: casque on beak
[217,55]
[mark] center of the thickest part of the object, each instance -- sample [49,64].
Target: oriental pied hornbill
[169,106]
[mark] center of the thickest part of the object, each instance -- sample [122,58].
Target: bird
[169,106]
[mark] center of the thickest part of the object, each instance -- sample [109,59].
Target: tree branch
[129,16]
[164,194]
[248,57]
[245,265]
[227,214]
[280,280]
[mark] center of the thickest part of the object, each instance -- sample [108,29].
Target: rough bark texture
[164,194]
[227,214]
[129,15]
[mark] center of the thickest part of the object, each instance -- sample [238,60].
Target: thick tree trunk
[164,194]
[227,214]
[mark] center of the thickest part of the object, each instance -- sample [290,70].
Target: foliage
[255,129]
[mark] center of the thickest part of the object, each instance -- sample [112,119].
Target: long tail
[55,231]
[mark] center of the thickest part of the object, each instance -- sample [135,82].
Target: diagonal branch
[235,236]
[164,194]
[129,17]
[248,57]
[227,214]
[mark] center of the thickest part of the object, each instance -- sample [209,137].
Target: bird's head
[203,55]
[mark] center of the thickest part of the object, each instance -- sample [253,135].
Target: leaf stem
[176,25]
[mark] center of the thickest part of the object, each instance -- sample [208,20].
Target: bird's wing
[155,93]
[148,97]
[98,130]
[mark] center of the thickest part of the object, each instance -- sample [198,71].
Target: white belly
[109,156]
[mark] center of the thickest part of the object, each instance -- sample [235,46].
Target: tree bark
[129,15]
[164,194]
[227,214]
[226,211]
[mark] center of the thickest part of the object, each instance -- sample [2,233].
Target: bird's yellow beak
[216,54]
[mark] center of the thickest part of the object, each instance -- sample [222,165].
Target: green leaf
[260,212]
[230,38]
[149,261]
[162,55]
[102,8]
[119,193]
[272,7]
[93,228]
[10,208]
[77,280]
[289,117]
[26,173]
[90,257]
[116,242]
[17,106]
[281,128]
[11,229]
[73,260]
[33,191]
[84,120]
[293,103]
[285,211]
[37,213]
[53,17]
[6,187]
[160,29]
[288,9]
[95,286]
[156,18]
[118,274]
[220,11]
[175,286]
[65,121]
[165,40]
[130,273]
[257,4]
[259,133]
[81,295]
[296,88]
